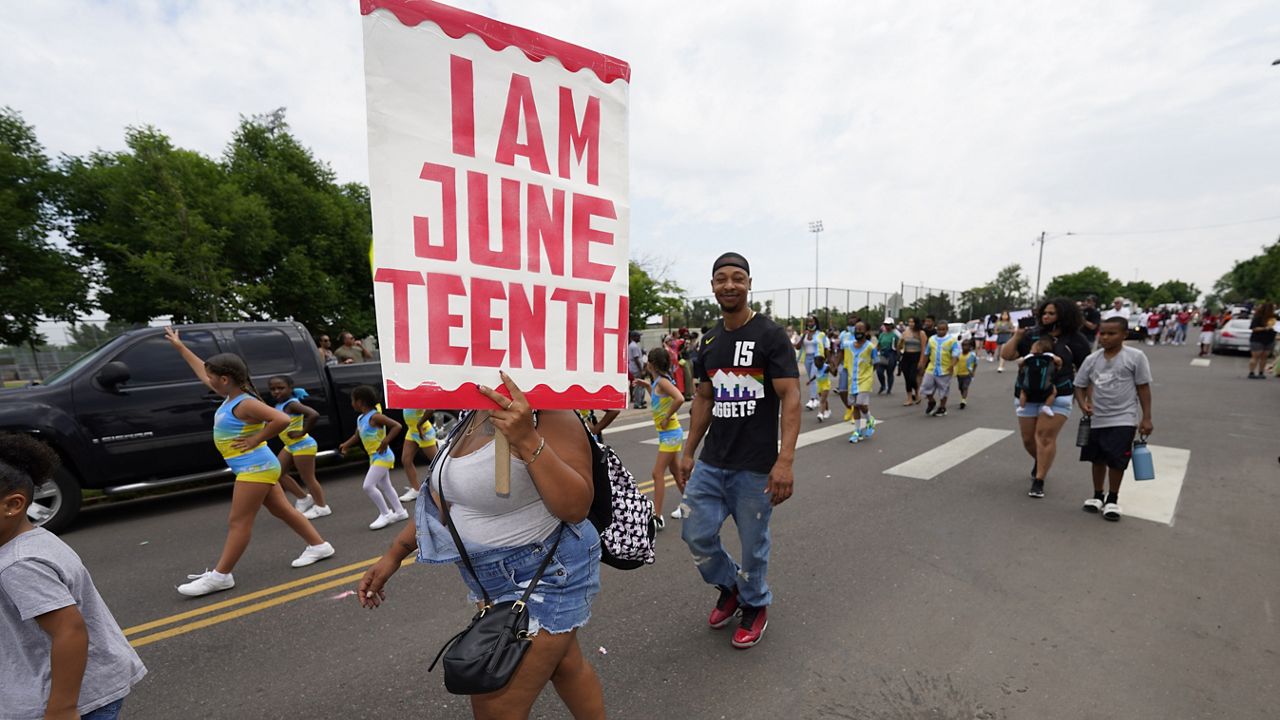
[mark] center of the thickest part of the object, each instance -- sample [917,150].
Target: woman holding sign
[507,537]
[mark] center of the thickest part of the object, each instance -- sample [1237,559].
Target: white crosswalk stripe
[1200,362]
[684,420]
[1156,500]
[817,435]
[929,465]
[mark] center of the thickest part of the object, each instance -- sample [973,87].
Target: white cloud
[934,140]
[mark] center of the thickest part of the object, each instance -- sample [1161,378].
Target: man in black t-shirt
[1092,318]
[747,373]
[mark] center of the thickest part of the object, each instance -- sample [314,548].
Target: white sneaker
[317,511]
[399,516]
[677,514]
[313,554]
[382,521]
[409,495]
[304,503]
[206,583]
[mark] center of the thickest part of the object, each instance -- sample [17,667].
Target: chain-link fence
[22,366]
[790,306]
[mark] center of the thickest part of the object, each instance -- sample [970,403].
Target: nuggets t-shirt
[741,366]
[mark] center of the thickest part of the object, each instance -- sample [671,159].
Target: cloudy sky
[934,140]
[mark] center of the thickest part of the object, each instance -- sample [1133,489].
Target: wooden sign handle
[502,465]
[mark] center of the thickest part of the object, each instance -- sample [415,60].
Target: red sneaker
[751,629]
[726,607]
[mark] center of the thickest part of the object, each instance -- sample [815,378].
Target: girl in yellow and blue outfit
[299,447]
[376,431]
[241,427]
[665,400]
[422,435]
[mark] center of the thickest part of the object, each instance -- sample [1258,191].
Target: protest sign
[498,182]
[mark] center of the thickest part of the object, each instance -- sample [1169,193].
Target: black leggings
[910,364]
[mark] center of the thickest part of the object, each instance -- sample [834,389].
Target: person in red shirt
[1208,324]
[1153,326]
[1183,318]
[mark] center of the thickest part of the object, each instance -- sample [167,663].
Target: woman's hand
[370,591]
[382,447]
[513,417]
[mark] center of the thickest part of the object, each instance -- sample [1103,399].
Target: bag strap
[466,559]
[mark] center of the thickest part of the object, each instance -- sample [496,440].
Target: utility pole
[1039,263]
[815,227]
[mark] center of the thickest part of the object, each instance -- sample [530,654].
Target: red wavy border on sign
[499,35]
[543,397]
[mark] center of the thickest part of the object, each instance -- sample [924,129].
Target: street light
[1040,262]
[815,227]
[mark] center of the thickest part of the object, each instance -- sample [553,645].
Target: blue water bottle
[1143,467]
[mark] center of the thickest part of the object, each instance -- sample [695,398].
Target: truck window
[152,361]
[266,350]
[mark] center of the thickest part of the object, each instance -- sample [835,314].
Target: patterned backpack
[619,511]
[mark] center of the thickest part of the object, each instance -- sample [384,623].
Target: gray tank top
[911,343]
[480,514]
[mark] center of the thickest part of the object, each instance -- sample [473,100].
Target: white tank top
[480,514]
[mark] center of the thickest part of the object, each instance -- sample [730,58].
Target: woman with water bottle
[1113,388]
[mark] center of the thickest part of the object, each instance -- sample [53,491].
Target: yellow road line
[646,486]
[247,610]
[246,598]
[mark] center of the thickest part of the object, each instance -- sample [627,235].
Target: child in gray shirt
[1113,388]
[64,655]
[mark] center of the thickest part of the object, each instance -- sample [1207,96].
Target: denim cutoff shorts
[1061,406]
[562,600]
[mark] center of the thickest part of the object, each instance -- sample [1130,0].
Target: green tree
[651,295]
[1255,278]
[166,231]
[1174,291]
[309,238]
[1138,291]
[938,305]
[37,278]
[87,336]
[700,313]
[1010,289]
[1090,280]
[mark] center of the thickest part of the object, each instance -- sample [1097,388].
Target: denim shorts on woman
[1061,406]
[562,600]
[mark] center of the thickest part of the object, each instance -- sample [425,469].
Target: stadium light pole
[815,227]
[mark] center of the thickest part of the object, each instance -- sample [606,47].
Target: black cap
[731,259]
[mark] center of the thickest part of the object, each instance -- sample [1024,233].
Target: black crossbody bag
[483,657]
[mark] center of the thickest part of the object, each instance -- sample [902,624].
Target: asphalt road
[896,597]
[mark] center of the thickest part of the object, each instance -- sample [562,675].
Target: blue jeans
[110,711]
[712,495]
[812,372]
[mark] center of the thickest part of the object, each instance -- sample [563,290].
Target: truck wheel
[56,502]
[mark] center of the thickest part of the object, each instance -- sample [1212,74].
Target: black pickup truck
[130,416]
